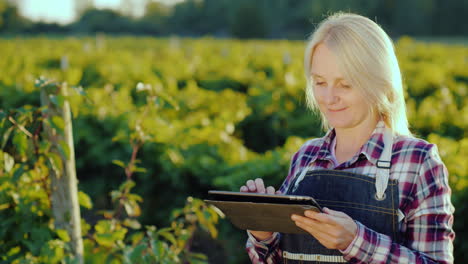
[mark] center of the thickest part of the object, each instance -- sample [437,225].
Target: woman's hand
[333,229]
[257,186]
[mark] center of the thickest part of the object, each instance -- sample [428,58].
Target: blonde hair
[367,60]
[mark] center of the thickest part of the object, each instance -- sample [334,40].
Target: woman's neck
[350,140]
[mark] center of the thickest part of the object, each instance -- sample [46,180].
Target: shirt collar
[372,149]
[324,152]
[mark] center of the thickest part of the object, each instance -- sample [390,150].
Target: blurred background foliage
[221,111]
[289,19]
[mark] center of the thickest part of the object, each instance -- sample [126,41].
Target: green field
[205,114]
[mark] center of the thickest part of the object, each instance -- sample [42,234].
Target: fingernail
[294,217]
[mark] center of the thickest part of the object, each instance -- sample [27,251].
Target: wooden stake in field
[64,191]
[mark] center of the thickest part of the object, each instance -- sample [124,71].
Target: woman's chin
[339,123]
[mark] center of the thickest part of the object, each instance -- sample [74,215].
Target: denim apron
[373,201]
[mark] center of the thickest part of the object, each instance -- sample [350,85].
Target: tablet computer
[262,212]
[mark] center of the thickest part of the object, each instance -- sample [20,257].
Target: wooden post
[64,190]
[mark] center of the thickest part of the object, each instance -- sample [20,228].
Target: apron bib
[372,201]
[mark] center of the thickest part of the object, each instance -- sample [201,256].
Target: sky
[63,11]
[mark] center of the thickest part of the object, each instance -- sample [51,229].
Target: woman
[386,193]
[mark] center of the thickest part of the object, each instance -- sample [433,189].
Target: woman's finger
[329,216]
[260,185]
[309,225]
[309,229]
[335,213]
[244,188]
[319,217]
[270,190]
[306,220]
[251,186]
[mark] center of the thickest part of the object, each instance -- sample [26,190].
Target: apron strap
[296,182]
[383,166]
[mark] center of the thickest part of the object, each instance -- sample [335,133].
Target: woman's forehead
[325,64]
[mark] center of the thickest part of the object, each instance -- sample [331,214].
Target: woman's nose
[330,95]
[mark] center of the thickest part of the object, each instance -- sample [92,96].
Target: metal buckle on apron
[383,166]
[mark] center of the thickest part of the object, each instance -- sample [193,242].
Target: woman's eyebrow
[316,75]
[320,76]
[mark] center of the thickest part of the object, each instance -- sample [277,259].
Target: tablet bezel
[263,198]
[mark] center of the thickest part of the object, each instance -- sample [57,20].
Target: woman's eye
[320,83]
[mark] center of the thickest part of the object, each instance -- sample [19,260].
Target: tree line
[292,19]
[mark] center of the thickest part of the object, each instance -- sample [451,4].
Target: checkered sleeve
[265,251]
[427,234]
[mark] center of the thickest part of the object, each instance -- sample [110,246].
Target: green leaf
[14,251]
[115,195]
[63,235]
[134,197]
[18,173]
[139,169]
[132,223]
[39,235]
[3,117]
[132,208]
[44,147]
[84,200]
[9,161]
[105,240]
[167,235]
[56,162]
[57,123]
[158,248]
[85,227]
[119,163]
[127,185]
[102,226]
[57,100]
[20,140]
[119,233]
[137,237]
[137,253]
[6,135]
[199,256]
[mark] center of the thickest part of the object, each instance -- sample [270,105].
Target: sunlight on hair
[367,60]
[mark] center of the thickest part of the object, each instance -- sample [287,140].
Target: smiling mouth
[336,110]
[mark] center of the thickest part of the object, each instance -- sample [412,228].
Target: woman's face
[342,105]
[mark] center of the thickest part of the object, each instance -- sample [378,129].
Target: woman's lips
[336,110]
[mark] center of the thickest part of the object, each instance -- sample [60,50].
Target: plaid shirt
[424,199]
